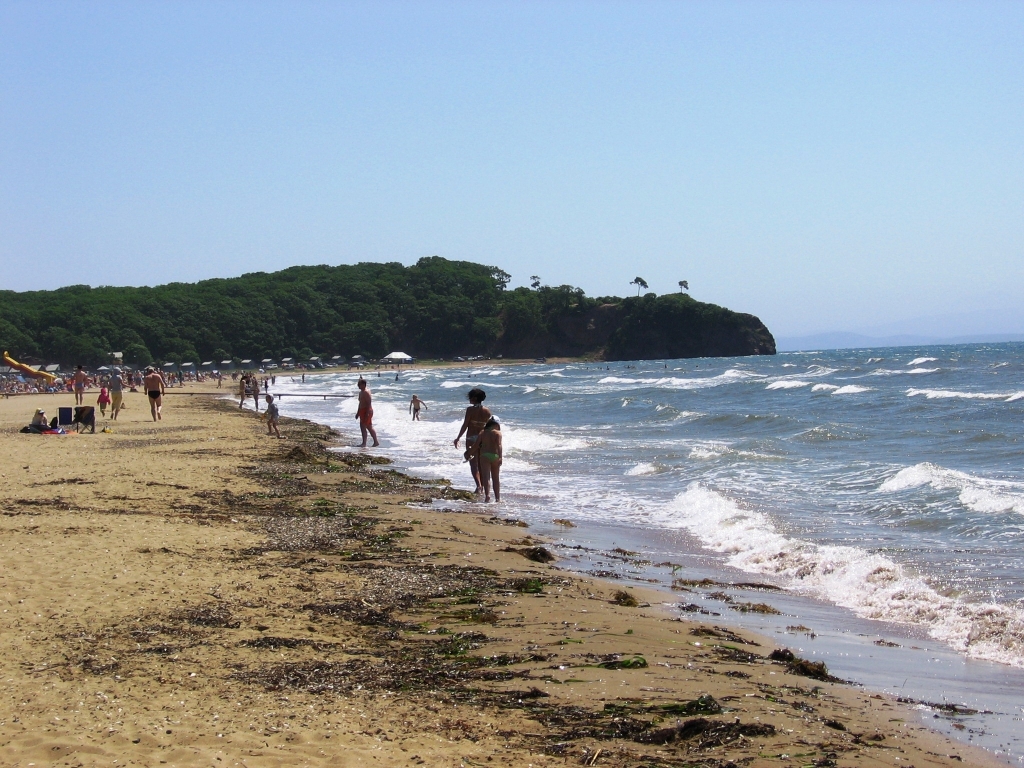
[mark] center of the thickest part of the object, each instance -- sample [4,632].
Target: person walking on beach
[472,425]
[365,413]
[487,452]
[80,382]
[273,415]
[154,384]
[116,388]
[414,407]
[103,400]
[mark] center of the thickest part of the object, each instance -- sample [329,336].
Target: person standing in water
[414,407]
[472,425]
[365,413]
[487,453]
[154,384]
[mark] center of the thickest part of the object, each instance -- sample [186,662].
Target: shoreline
[192,592]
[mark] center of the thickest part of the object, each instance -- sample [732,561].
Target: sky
[825,166]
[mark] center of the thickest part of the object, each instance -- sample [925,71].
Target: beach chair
[85,416]
[65,416]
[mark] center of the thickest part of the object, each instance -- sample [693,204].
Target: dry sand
[195,593]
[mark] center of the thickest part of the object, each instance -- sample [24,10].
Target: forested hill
[436,308]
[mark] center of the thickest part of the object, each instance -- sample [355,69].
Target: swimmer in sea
[414,407]
[487,452]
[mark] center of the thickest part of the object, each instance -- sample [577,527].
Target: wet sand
[194,592]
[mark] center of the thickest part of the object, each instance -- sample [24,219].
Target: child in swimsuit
[487,452]
[103,400]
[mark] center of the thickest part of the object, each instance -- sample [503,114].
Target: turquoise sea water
[887,484]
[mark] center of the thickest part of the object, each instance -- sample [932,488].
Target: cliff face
[650,328]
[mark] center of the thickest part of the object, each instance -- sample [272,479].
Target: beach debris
[834,725]
[694,608]
[209,615]
[711,733]
[816,670]
[721,633]
[529,585]
[690,583]
[563,522]
[758,585]
[507,521]
[755,608]
[887,643]
[636,662]
[624,598]
[536,554]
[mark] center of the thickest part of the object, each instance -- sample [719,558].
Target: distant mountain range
[844,340]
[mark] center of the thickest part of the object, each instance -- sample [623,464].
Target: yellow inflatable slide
[27,370]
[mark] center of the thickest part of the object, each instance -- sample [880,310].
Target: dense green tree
[434,308]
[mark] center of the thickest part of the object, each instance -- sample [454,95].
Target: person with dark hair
[472,425]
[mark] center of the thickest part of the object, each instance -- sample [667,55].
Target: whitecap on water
[919,360]
[870,584]
[943,394]
[788,384]
[641,469]
[824,387]
[975,493]
[851,389]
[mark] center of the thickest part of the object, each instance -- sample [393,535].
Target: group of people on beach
[482,431]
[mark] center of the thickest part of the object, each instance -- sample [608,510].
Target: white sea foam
[976,493]
[869,584]
[528,390]
[457,384]
[942,394]
[851,389]
[731,376]
[824,388]
[709,450]
[788,384]
[919,360]
[923,370]
[641,469]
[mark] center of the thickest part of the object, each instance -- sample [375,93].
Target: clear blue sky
[823,165]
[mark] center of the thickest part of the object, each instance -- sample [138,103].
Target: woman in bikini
[476,419]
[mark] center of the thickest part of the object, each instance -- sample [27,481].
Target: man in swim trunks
[476,418]
[154,384]
[414,407]
[80,381]
[365,413]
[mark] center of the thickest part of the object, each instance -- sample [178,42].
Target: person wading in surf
[365,413]
[474,423]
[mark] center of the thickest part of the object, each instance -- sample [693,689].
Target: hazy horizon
[827,167]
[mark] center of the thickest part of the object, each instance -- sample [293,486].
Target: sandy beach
[194,592]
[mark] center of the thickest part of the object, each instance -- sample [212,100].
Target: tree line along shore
[436,308]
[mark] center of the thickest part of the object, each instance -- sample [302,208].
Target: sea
[873,497]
